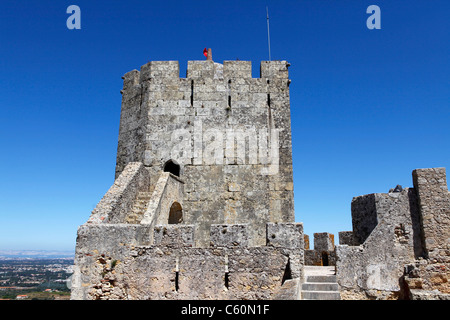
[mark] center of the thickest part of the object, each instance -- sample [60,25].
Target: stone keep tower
[225,134]
[203,186]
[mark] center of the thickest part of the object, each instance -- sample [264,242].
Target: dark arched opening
[175,213]
[172,167]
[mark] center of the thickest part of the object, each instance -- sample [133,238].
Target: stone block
[225,235]
[434,206]
[323,242]
[285,235]
[346,237]
[200,69]
[274,69]
[306,240]
[159,70]
[174,235]
[313,258]
[237,69]
[130,79]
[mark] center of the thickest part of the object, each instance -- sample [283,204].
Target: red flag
[205,52]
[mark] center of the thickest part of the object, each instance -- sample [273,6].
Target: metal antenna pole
[268,31]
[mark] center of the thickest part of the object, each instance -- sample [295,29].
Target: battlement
[283,235]
[205,69]
[116,256]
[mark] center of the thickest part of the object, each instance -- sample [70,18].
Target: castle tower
[202,206]
[227,136]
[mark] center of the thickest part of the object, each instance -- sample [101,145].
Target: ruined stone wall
[118,201]
[230,133]
[116,262]
[432,273]
[168,189]
[434,205]
[364,217]
[346,237]
[373,269]
[323,241]
[401,242]
[324,250]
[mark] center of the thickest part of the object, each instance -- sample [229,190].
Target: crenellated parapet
[205,69]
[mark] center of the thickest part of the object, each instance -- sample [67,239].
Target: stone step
[320,286]
[144,195]
[136,212]
[134,218]
[140,205]
[321,295]
[318,278]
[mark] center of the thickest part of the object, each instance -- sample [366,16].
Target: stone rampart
[117,262]
[118,201]
[400,241]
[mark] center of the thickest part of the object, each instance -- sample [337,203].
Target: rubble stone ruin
[202,206]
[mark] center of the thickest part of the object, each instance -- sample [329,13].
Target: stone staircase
[320,284]
[139,206]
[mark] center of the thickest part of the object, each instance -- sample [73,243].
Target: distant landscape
[35,274]
[37,254]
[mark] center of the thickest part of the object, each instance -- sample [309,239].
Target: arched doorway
[175,213]
[173,167]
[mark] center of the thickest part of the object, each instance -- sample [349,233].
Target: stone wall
[323,253]
[117,262]
[374,268]
[313,258]
[168,189]
[364,217]
[230,133]
[118,201]
[400,241]
[346,237]
[428,278]
[323,241]
[434,205]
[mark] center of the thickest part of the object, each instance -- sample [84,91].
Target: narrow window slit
[227,274]
[229,93]
[177,274]
[227,280]
[192,93]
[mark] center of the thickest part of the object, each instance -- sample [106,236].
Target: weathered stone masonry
[400,242]
[213,98]
[173,268]
[202,205]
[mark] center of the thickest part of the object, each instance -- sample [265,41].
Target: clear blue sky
[367,106]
